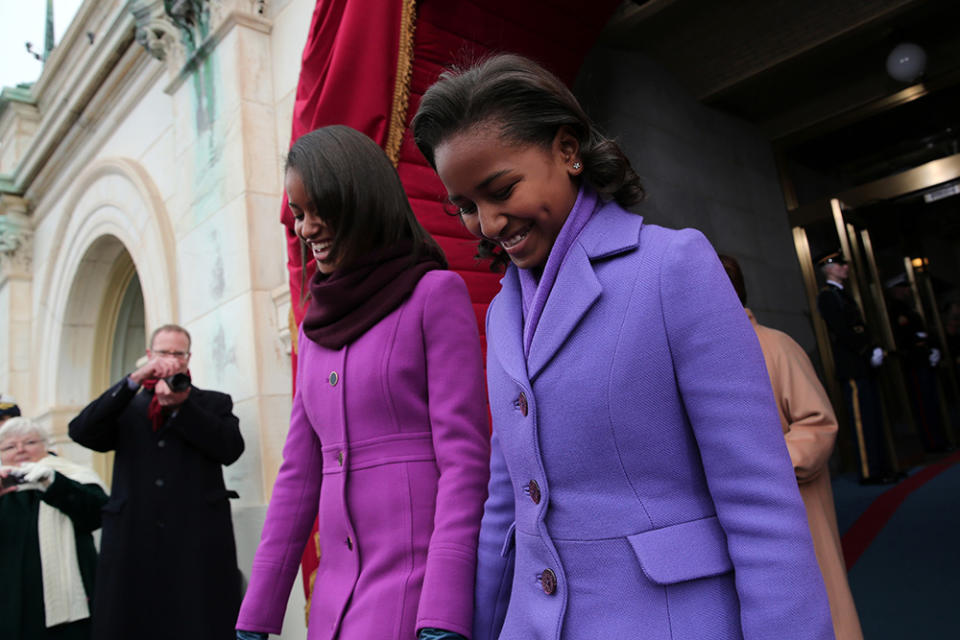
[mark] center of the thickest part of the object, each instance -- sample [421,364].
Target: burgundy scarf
[155,412]
[345,304]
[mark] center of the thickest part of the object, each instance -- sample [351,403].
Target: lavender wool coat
[640,486]
[388,441]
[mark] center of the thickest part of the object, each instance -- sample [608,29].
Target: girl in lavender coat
[388,432]
[640,486]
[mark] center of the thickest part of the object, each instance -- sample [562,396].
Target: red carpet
[859,536]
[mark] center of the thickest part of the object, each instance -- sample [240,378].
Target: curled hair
[356,191]
[735,273]
[529,105]
[22,427]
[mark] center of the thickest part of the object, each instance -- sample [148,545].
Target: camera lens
[178,382]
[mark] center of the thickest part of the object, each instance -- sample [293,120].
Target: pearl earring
[576,166]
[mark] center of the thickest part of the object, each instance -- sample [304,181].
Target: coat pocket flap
[220,494]
[114,505]
[508,540]
[685,551]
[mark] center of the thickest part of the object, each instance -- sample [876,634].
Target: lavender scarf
[536,292]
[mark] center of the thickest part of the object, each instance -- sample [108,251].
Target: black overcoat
[848,333]
[168,565]
[22,615]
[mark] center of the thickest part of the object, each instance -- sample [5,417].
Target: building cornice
[63,100]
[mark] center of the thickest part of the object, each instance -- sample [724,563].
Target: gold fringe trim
[401,87]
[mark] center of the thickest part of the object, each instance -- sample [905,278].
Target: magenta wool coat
[640,486]
[388,442]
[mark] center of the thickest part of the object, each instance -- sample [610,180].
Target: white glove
[37,474]
[934,357]
[876,358]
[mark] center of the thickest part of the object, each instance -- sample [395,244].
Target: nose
[308,227]
[492,221]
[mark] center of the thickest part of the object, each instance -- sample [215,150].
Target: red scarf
[157,413]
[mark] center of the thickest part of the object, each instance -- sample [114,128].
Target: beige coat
[810,429]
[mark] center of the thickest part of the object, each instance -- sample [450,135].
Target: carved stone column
[16,275]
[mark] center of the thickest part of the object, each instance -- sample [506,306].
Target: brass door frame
[925,176]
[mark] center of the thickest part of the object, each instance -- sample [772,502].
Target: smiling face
[15,450]
[517,195]
[316,233]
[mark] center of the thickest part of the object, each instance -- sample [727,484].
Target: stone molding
[183,33]
[16,239]
[281,304]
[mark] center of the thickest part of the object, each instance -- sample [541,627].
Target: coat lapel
[609,232]
[505,336]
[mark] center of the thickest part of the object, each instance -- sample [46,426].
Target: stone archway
[118,231]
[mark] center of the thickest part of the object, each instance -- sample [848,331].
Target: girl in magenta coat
[640,486]
[388,432]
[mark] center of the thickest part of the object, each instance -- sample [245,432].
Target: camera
[178,382]
[11,480]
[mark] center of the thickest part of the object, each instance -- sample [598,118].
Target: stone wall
[702,169]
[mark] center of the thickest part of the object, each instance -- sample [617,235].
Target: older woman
[48,508]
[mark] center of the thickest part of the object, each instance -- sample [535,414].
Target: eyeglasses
[175,354]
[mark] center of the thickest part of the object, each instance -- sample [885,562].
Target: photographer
[168,558]
[48,508]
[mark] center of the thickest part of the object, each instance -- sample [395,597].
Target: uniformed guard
[856,358]
[919,356]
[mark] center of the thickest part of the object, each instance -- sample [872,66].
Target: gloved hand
[876,358]
[37,474]
[438,634]
[934,357]
[250,635]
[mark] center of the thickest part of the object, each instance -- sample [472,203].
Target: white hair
[20,426]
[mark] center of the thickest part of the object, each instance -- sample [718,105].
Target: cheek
[472,224]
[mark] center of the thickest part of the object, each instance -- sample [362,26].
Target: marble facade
[150,152]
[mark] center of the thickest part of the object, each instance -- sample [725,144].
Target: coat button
[349,543]
[548,580]
[534,491]
[158,482]
[334,378]
[522,403]
[340,458]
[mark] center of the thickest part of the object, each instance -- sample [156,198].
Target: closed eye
[504,193]
[459,209]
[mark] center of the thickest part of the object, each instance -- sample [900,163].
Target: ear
[567,147]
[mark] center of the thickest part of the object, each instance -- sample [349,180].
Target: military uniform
[915,349]
[852,350]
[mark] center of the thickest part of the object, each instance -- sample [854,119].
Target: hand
[429,633]
[168,398]
[10,472]
[158,367]
[934,357]
[876,358]
[37,474]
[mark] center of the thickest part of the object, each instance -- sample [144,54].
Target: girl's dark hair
[355,189]
[735,273]
[529,105]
